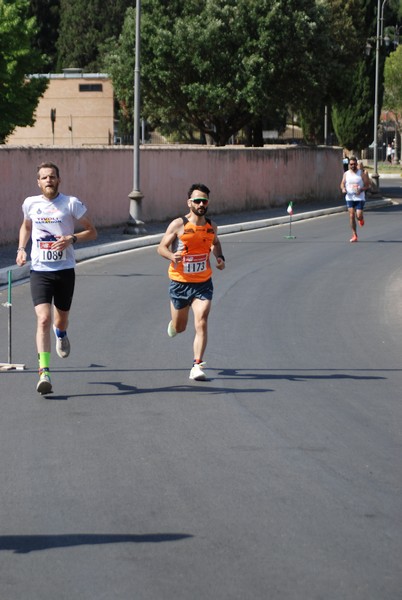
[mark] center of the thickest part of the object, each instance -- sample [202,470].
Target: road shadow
[122,389]
[24,544]
[303,376]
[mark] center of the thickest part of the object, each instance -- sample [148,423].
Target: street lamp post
[379,39]
[395,42]
[134,224]
[326,125]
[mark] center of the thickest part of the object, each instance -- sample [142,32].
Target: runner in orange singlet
[187,244]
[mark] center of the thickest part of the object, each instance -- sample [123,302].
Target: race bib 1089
[46,254]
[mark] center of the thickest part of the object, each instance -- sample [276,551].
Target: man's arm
[88,233]
[217,250]
[25,234]
[343,184]
[366,181]
[164,248]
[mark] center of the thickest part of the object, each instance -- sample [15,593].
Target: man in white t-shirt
[49,220]
[354,185]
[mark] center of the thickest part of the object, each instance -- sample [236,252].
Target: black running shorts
[183,294]
[53,286]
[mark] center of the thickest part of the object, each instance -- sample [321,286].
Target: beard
[200,211]
[51,192]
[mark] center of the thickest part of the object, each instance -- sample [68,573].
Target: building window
[90,87]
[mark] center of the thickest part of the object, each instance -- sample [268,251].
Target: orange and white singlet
[195,245]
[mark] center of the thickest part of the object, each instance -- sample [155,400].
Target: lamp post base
[375,186]
[135,227]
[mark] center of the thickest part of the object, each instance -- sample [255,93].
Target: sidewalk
[111,240]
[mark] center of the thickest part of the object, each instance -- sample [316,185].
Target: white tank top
[352,182]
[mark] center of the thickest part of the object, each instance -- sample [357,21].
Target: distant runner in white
[355,182]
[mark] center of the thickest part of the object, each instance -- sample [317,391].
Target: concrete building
[81,106]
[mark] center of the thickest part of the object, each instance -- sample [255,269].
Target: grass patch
[384,167]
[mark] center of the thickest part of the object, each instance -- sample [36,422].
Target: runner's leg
[43,324]
[179,317]
[201,310]
[352,220]
[359,215]
[60,318]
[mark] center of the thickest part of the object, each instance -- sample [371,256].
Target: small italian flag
[290,208]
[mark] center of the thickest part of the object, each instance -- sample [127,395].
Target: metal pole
[135,225]
[375,175]
[9,304]
[137,90]
[379,36]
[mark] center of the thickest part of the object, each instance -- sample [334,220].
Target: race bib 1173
[194,263]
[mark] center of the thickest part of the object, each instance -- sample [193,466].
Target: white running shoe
[44,384]
[171,331]
[62,345]
[197,372]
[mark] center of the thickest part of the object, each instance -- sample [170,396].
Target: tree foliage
[345,26]
[85,26]
[220,64]
[393,82]
[353,117]
[393,86]
[19,96]
[47,14]
[353,108]
[214,66]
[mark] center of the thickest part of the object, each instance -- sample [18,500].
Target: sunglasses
[199,200]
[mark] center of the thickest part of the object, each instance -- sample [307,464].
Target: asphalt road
[279,478]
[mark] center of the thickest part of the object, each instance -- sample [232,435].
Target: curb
[81,254]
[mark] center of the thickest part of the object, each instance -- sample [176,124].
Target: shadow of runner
[243,374]
[24,544]
[122,389]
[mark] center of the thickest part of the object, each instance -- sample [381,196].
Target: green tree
[345,26]
[47,14]
[19,96]
[353,108]
[393,82]
[219,65]
[85,26]
[393,86]
[353,117]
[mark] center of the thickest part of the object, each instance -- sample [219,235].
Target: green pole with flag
[290,213]
[8,304]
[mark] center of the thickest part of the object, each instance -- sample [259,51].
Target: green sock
[44,360]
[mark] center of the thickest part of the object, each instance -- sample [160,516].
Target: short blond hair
[48,165]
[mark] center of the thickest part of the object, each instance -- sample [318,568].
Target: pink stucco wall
[239,178]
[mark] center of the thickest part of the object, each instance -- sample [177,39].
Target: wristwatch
[74,238]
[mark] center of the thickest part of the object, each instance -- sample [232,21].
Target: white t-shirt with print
[50,220]
[354,181]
